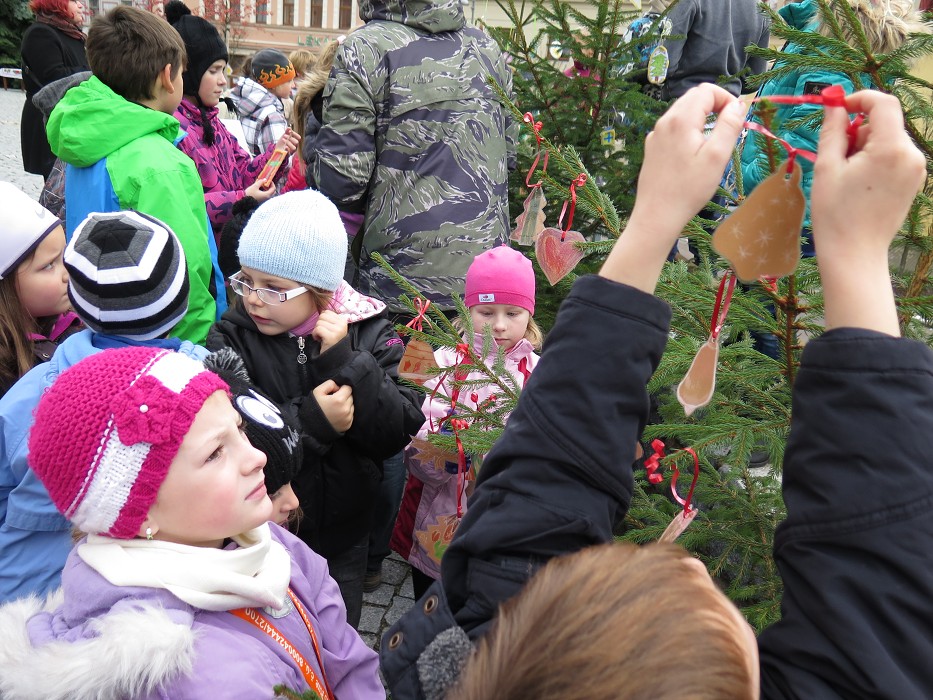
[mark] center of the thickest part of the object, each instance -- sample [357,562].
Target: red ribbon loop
[578,181]
[456,425]
[536,128]
[422,306]
[652,466]
[721,307]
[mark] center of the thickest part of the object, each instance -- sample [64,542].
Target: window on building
[317,13]
[262,12]
[288,13]
[346,14]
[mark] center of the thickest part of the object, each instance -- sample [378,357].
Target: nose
[289,501]
[250,293]
[254,460]
[499,323]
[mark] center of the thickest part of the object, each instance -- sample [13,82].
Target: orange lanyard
[256,618]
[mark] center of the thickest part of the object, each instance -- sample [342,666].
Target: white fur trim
[136,649]
[107,493]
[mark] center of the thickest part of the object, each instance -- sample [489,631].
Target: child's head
[135,53]
[127,275]
[32,277]
[268,429]
[142,442]
[293,249]
[302,61]
[680,638]
[500,293]
[69,10]
[272,69]
[204,77]
[886,23]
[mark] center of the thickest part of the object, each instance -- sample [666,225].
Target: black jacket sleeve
[560,475]
[854,551]
[385,413]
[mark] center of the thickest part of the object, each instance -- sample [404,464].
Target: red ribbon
[422,305]
[536,128]
[578,181]
[462,351]
[456,425]
[723,300]
[832,96]
[653,463]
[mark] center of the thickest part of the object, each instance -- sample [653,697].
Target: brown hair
[16,356]
[314,81]
[613,622]
[128,47]
[301,60]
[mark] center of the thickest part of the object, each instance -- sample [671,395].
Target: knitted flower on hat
[108,429]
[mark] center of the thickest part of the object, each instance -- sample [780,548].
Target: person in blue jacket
[129,285]
[886,23]
[620,622]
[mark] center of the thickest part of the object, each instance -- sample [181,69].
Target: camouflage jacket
[415,138]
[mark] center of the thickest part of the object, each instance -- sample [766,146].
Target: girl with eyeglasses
[329,356]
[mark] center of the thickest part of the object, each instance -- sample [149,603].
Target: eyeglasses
[266,296]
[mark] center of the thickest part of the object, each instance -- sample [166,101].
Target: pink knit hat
[107,430]
[501,276]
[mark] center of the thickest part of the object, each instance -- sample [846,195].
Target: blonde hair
[533,334]
[301,60]
[886,23]
[613,622]
[314,81]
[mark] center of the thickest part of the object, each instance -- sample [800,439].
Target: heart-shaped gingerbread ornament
[557,257]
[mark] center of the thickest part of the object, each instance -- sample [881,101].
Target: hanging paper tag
[607,136]
[762,237]
[696,389]
[658,63]
[530,223]
[677,526]
[435,539]
[417,362]
[557,257]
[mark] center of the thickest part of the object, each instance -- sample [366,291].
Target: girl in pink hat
[500,294]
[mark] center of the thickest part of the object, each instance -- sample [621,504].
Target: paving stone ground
[386,605]
[11,161]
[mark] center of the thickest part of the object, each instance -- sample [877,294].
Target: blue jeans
[385,510]
[348,570]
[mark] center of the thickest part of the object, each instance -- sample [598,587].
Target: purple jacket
[107,641]
[226,169]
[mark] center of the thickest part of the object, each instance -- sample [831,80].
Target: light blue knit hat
[297,236]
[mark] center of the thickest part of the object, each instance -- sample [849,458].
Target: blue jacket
[34,537]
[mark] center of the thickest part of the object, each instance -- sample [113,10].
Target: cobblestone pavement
[382,607]
[11,161]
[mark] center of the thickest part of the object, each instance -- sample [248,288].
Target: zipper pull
[302,358]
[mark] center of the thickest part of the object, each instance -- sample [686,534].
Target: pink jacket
[225,168]
[436,513]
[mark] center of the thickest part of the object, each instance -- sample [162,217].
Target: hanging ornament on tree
[658,63]
[530,223]
[762,237]
[556,248]
[697,387]
[418,364]
[686,516]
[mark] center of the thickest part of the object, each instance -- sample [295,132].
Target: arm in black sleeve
[385,414]
[854,550]
[44,55]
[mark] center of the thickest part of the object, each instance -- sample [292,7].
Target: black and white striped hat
[128,275]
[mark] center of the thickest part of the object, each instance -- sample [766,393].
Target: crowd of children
[188,488]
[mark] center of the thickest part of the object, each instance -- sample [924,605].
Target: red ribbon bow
[422,305]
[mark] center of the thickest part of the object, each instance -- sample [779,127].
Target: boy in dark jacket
[856,480]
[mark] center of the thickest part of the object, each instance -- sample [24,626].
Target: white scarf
[256,574]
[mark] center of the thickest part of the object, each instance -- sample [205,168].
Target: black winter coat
[342,472]
[854,552]
[48,55]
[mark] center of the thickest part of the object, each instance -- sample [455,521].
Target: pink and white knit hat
[107,430]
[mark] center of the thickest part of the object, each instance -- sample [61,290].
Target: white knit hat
[296,236]
[24,225]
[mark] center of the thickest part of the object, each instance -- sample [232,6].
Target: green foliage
[15,17]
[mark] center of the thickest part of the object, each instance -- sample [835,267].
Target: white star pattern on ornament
[765,236]
[737,231]
[743,253]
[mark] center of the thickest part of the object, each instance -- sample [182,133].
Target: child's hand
[331,328]
[289,141]
[260,193]
[859,201]
[337,404]
[681,171]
